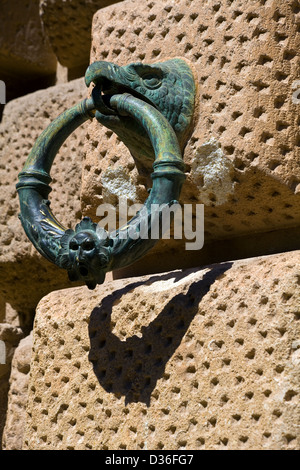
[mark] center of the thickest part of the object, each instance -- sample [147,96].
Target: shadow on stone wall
[132,368]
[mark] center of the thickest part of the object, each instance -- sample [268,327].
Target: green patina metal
[151,109]
[168,86]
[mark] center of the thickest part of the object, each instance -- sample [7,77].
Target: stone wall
[243,157]
[197,359]
[25,276]
[160,357]
[27,60]
[10,336]
[16,413]
[68,27]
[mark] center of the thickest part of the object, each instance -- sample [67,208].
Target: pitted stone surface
[24,49]
[243,157]
[27,60]
[196,359]
[18,392]
[9,337]
[68,26]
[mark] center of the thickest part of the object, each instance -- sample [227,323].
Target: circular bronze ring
[89,252]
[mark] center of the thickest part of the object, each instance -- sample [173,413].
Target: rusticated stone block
[25,276]
[68,26]
[197,359]
[243,157]
[9,339]
[17,398]
[25,53]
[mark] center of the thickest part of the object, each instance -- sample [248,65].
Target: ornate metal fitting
[150,108]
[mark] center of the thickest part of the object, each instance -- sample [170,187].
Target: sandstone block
[10,336]
[9,339]
[25,53]
[243,158]
[25,276]
[198,359]
[68,26]
[17,399]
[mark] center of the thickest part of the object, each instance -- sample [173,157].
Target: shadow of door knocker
[151,109]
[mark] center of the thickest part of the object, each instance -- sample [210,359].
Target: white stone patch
[171,283]
[116,183]
[212,172]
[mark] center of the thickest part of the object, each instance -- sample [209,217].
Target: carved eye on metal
[86,245]
[89,246]
[88,252]
[151,81]
[73,245]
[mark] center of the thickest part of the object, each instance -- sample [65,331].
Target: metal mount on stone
[151,108]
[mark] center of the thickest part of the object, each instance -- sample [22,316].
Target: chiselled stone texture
[17,399]
[195,359]
[68,26]
[9,337]
[25,53]
[25,276]
[243,159]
